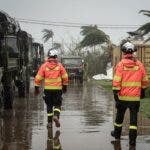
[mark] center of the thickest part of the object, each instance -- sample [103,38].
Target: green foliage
[107,84]
[147,92]
[92,36]
[96,63]
[145,103]
[145,107]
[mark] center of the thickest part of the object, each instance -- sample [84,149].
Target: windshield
[72,61]
[36,51]
[10,44]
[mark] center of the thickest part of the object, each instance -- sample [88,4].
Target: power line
[49,21]
[76,25]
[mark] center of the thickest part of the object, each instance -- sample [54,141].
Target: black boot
[132,147]
[132,142]
[132,137]
[116,144]
[113,134]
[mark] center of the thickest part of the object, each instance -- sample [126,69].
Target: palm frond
[135,33]
[144,29]
[47,34]
[145,12]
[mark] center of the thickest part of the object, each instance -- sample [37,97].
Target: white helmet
[52,53]
[128,48]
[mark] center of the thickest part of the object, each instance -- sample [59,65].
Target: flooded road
[86,121]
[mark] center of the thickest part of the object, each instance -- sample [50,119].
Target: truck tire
[23,84]
[1,97]
[27,80]
[8,97]
[7,90]
[21,89]
[81,79]
[1,104]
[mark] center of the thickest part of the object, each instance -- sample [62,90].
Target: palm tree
[47,35]
[92,36]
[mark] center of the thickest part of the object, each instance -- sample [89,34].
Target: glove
[64,88]
[117,104]
[116,95]
[142,94]
[36,90]
[45,99]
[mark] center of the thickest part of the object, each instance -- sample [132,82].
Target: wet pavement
[86,121]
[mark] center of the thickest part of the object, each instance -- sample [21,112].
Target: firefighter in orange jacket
[55,82]
[129,82]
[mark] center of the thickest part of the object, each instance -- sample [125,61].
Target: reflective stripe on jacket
[53,74]
[130,76]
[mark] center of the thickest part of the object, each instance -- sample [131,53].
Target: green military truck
[74,66]
[0,87]
[15,60]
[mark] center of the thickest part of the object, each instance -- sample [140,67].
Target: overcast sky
[101,12]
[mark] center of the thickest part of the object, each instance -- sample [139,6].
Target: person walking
[129,83]
[55,83]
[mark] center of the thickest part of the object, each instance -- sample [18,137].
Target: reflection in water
[86,118]
[132,148]
[92,102]
[96,106]
[16,126]
[53,143]
[117,145]
[13,131]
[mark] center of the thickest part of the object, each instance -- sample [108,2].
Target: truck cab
[38,57]
[74,66]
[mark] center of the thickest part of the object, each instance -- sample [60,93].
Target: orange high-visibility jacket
[53,74]
[130,76]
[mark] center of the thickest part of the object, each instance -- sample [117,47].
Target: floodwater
[86,121]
